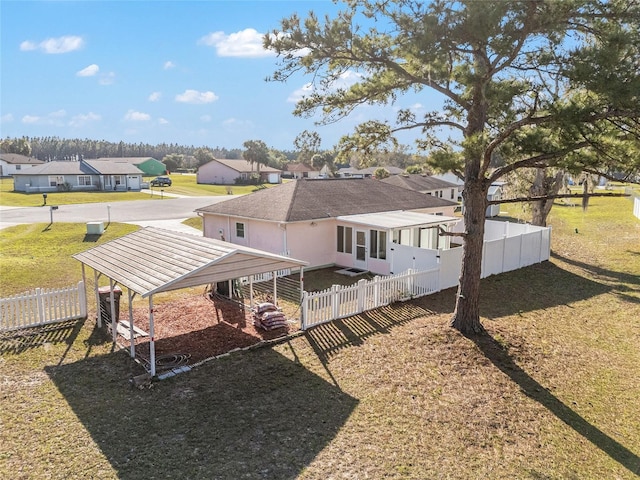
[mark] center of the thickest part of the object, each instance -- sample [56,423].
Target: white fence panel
[43,306]
[530,253]
[340,302]
[492,260]
[636,207]
[450,265]
[512,246]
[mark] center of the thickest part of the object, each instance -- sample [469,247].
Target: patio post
[275,288]
[132,346]
[95,289]
[152,340]
[114,320]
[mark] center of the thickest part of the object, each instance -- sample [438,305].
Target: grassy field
[181,185]
[550,393]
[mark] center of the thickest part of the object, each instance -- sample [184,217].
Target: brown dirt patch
[190,328]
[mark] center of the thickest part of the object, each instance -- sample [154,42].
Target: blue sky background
[185,72]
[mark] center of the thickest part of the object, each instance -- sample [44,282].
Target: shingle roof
[17,159]
[84,167]
[60,168]
[300,167]
[106,167]
[418,182]
[309,199]
[133,160]
[243,166]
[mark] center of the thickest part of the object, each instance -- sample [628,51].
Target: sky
[184,72]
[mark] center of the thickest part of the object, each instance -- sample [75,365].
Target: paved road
[163,212]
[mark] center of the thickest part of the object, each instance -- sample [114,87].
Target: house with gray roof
[148,165]
[425,184]
[352,222]
[83,175]
[10,163]
[229,172]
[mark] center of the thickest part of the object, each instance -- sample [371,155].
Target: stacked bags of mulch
[268,317]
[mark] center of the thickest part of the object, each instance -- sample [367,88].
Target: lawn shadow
[534,390]
[330,338]
[19,341]
[250,415]
[537,287]
[92,237]
[619,281]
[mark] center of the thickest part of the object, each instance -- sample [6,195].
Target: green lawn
[550,393]
[181,184]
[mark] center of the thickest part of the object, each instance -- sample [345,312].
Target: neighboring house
[347,222]
[425,184]
[10,163]
[301,170]
[148,165]
[495,191]
[351,172]
[85,175]
[229,172]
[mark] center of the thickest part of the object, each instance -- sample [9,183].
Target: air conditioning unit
[95,228]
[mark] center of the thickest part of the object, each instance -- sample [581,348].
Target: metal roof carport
[153,260]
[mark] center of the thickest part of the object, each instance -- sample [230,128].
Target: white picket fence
[343,301]
[43,306]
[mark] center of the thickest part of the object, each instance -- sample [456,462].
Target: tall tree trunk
[544,184]
[466,316]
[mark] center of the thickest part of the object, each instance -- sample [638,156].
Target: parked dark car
[160,182]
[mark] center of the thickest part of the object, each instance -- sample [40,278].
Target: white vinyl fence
[507,246]
[43,306]
[340,302]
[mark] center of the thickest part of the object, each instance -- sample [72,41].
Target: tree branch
[551,197]
[444,233]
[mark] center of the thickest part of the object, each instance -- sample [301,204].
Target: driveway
[163,212]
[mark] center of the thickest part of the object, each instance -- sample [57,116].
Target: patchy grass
[550,393]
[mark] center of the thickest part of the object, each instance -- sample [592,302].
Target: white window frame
[82,180]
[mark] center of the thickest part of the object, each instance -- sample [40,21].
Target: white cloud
[344,81]
[107,78]
[163,121]
[235,124]
[245,43]
[53,118]
[168,65]
[64,44]
[298,94]
[205,118]
[134,116]
[155,96]
[83,119]
[195,97]
[30,119]
[89,71]
[6,118]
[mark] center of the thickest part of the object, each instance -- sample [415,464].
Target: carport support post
[132,345]
[152,342]
[275,288]
[114,320]
[301,283]
[95,283]
[251,290]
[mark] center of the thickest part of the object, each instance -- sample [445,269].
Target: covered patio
[152,260]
